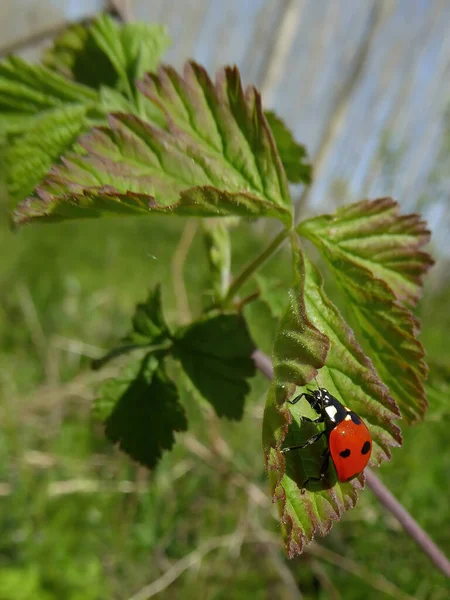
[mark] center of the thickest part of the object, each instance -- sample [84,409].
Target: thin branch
[250,269]
[123,10]
[247,300]
[35,38]
[263,363]
[178,261]
[408,523]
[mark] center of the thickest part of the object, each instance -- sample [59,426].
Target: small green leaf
[216,237]
[149,324]
[150,331]
[217,159]
[293,155]
[388,255]
[42,114]
[30,156]
[144,45]
[141,411]
[348,375]
[44,109]
[28,90]
[106,53]
[373,234]
[215,354]
[132,48]
[75,54]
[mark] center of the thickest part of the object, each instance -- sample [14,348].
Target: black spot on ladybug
[345,453]
[365,449]
[356,420]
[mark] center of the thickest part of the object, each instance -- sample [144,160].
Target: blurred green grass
[80,521]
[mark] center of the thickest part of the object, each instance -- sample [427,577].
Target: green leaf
[30,156]
[374,235]
[141,411]
[350,376]
[293,155]
[132,48]
[389,328]
[149,324]
[144,45]
[75,54]
[28,90]
[218,251]
[42,114]
[217,159]
[215,354]
[107,53]
[149,331]
[228,123]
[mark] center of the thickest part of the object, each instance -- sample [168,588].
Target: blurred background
[365,85]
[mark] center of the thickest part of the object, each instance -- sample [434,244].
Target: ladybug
[349,442]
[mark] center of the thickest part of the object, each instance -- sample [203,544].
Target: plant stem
[99,363]
[409,524]
[248,271]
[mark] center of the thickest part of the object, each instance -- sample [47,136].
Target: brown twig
[123,10]
[409,524]
[35,38]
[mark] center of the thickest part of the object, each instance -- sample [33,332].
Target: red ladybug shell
[350,448]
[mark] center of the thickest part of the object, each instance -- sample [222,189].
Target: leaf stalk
[252,267]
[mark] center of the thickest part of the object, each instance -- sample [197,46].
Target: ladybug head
[321,400]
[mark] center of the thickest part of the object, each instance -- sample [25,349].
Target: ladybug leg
[299,397]
[311,440]
[323,470]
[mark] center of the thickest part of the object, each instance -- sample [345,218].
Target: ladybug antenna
[317,383]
